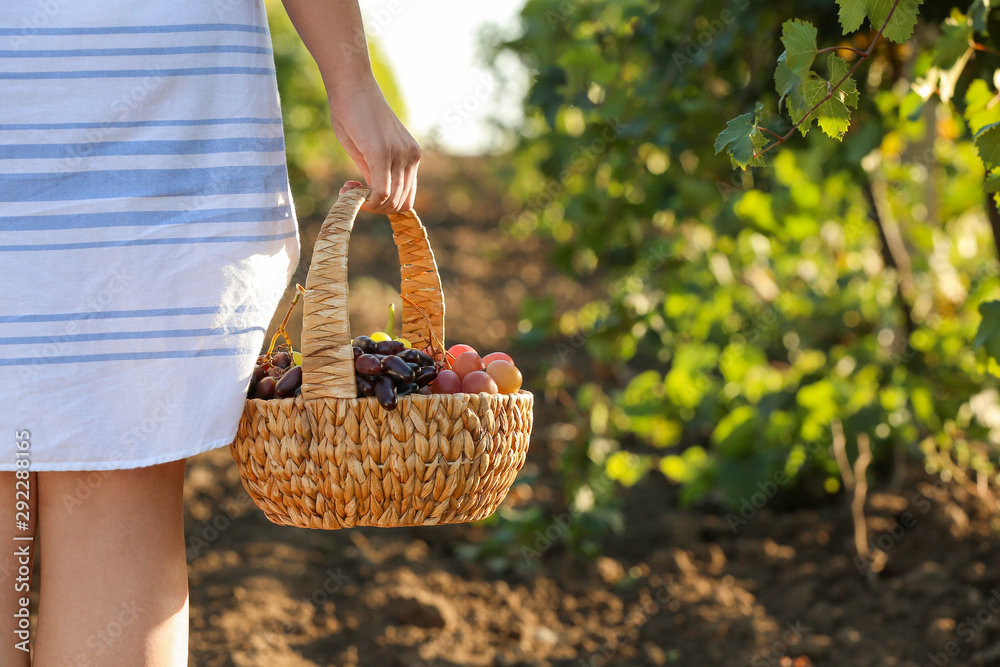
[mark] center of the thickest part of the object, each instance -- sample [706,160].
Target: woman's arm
[365,125]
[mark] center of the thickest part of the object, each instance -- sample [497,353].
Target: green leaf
[785,82]
[799,39]
[988,334]
[992,183]
[979,12]
[901,24]
[833,115]
[848,90]
[987,141]
[980,108]
[955,40]
[852,13]
[743,139]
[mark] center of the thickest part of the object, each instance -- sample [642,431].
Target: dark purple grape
[412,356]
[289,382]
[274,372]
[389,347]
[407,389]
[367,364]
[398,370]
[366,344]
[298,392]
[366,387]
[265,388]
[281,359]
[262,359]
[415,367]
[426,375]
[357,351]
[385,392]
[255,377]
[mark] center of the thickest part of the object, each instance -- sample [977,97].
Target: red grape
[496,356]
[506,375]
[466,363]
[477,382]
[455,351]
[447,382]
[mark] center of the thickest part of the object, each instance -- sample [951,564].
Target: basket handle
[327,358]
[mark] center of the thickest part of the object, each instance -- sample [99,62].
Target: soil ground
[678,586]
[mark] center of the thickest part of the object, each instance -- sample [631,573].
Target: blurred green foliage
[314,156]
[746,311]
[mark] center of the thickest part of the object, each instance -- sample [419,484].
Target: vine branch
[865,55]
[841,48]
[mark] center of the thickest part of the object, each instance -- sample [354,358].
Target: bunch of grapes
[388,369]
[277,375]
[468,373]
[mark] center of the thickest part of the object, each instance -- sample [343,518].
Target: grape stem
[281,333]
[865,55]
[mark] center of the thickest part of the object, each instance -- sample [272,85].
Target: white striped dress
[146,227]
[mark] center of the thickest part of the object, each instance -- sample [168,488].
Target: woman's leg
[15,557]
[113,569]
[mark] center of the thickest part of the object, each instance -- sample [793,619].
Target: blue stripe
[191,147]
[127,335]
[141,123]
[143,218]
[141,242]
[124,314]
[130,73]
[138,29]
[124,356]
[148,51]
[115,183]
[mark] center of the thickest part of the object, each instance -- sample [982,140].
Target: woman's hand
[365,125]
[378,143]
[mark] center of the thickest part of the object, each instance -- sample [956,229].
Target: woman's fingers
[349,185]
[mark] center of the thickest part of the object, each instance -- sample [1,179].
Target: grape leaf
[785,82]
[743,139]
[992,183]
[987,141]
[988,334]
[833,115]
[979,12]
[799,39]
[852,13]
[848,91]
[978,111]
[955,40]
[901,24]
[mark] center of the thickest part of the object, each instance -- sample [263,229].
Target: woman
[146,236]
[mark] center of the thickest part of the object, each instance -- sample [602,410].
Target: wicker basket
[327,459]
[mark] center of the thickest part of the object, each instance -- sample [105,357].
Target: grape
[281,359]
[398,370]
[289,382]
[458,350]
[389,347]
[426,375]
[274,372]
[368,364]
[466,363]
[380,336]
[447,382]
[412,356]
[357,352]
[477,382]
[365,386]
[506,375]
[496,356]
[426,391]
[265,388]
[385,393]
[366,344]
[407,344]
[407,389]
